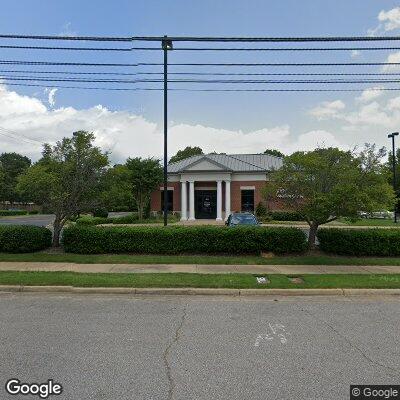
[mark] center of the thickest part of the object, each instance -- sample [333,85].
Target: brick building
[212,186]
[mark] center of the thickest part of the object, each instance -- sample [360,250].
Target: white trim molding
[168,188]
[247,188]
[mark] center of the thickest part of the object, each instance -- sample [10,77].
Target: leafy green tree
[389,168]
[13,165]
[328,183]
[145,176]
[116,191]
[67,179]
[186,153]
[274,152]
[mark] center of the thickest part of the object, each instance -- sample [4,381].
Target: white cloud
[51,96]
[327,109]
[127,134]
[392,58]
[390,19]
[67,30]
[369,94]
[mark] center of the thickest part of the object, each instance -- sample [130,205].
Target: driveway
[120,347]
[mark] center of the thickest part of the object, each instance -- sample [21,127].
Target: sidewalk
[200,269]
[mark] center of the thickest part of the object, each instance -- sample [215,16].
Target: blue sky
[129,122]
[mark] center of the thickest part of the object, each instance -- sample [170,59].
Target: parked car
[244,218]
[377,214]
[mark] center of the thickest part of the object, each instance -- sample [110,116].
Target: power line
[206,73]
[201,90]
[17,136]
[24,62]
[77,48]
[275,48]
[207,81]
[203,39]
[269,49]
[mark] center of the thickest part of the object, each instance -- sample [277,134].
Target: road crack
[351,344]
[166,354]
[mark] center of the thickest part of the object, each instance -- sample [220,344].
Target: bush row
[286,216]
[6,213]
[179,239]
[24,238]
[126,219]
[360,242]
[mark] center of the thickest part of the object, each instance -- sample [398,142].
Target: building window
[170,200]
[248,200]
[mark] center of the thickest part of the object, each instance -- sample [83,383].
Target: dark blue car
[241,219]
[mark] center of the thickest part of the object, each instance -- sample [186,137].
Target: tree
[13,165]
[116,191]
[186,153]
[67,179]
[389,168]
[145,176]
[328,183]
[274,152]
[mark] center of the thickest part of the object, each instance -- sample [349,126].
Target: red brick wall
[155,202]
[235,195]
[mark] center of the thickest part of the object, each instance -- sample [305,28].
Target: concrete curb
[199,291]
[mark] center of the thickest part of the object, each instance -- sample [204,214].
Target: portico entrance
[205,204]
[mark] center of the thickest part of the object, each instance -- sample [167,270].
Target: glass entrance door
[205,204]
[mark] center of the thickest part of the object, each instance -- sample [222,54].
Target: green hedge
[176,240]
[24,238]
[360,242]
[286,216]
[6,213]
[89,220]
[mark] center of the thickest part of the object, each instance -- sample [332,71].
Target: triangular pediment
[205,164]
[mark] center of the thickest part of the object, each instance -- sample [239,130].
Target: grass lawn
[341,222]
[369,222]
[197,259]
[238,281]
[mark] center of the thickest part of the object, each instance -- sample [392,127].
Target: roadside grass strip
[189,280]
[197,259]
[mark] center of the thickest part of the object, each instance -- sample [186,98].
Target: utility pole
[392,136]
[166,45]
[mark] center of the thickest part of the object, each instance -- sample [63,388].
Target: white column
[191,201]
[183,201]
[219,200]
[227,199]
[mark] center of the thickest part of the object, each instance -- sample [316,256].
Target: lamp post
[166,45]
[392,136]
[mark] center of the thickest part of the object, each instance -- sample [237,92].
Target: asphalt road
[118,347]
[41,219]
[37,220]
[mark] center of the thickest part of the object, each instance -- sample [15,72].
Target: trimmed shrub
[33,212]
[126,219]
[89,220]
[6,213]
[261,210]
[360,242]
[181,239]
[24,238]
[286,216]
[100,212]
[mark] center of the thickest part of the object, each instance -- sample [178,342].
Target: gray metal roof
[231,162]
